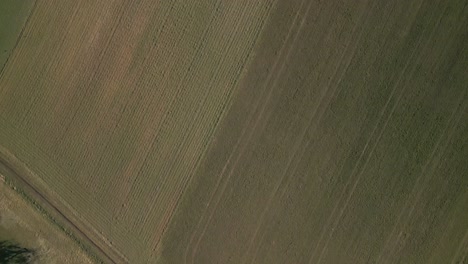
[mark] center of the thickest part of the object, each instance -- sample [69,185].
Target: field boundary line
[197,114]
[226,105]
[255,125]
[164,121]
[220,178]
[192,124]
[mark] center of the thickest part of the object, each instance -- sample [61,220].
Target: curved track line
[417,187]
[365,164]
[335,92]
[424,168]
[310,124]
[372,148]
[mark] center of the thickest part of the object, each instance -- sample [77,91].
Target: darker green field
[13,15]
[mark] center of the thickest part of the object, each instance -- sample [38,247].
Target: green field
[13,16]
[267,131]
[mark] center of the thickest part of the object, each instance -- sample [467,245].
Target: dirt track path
[57,215]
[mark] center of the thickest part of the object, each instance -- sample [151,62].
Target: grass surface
[22,223]
[247,131]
